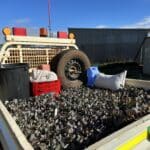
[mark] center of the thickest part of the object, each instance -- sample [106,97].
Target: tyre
[55,60]
[71,68]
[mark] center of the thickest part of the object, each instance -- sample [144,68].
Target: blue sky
[75,13]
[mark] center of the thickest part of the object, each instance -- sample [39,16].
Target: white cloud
[102,26]
[145,23]
[22,21]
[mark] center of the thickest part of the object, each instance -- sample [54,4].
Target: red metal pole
[49,18]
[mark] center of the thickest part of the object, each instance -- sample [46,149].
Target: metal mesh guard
[33,56]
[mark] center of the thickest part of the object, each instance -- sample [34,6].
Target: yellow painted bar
[133,142]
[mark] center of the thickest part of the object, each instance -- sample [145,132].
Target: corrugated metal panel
[110,45]
[146,62]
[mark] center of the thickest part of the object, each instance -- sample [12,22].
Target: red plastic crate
[38,88]
[19,31]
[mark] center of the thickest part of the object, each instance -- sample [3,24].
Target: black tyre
[71,68]
[55,60]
